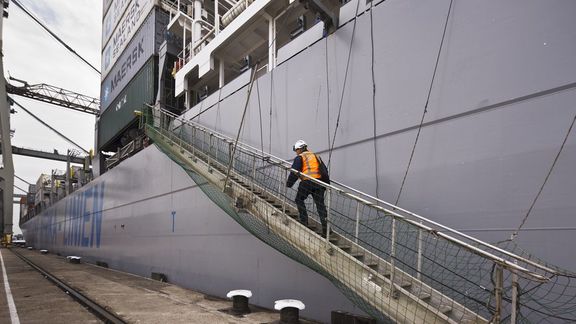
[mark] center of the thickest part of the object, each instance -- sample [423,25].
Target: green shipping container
[119,116]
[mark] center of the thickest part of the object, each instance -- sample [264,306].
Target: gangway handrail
[515,256]
[287,166]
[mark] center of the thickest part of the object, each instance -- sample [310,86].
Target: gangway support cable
[241,124]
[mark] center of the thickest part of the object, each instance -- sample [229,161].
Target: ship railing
[211,23]
[125,152]
[235,11]
[480,276]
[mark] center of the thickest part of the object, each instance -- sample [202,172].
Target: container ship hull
[460,112]
[147,215]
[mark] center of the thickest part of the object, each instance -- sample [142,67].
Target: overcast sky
[31,54]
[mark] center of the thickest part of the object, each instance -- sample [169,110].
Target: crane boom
[57,96]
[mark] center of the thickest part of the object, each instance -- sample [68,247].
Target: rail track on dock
[93,307]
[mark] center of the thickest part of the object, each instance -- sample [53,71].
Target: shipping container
[120,116]
[145,43]
[111,19]
[105,5]
[127,26]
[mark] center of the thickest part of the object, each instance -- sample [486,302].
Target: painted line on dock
[11,305]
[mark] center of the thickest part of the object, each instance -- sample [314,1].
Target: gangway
[393,264]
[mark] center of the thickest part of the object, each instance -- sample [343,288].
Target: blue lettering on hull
[82,222]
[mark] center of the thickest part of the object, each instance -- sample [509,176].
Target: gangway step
[445,309]
[358,256]
[372,265]
[345,247]
[405,284]
[423,295]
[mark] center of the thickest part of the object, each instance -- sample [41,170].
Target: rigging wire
[426,105]
[26,11]
[344,84]
[374,135]
[515,234]
[28,183]
[15,186]
[327,90]
[50,127]
[241,124]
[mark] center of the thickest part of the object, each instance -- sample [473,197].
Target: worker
[311,165]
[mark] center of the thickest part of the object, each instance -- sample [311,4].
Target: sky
[31,54]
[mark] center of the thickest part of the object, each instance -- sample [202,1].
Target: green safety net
[445,272]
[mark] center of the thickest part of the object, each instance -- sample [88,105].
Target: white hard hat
[299,144]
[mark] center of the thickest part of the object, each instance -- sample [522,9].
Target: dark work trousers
[308,187]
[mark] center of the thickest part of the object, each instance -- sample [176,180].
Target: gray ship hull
[498,109]
[477,121]
[125,218]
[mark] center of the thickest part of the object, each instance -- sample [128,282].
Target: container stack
[133,32]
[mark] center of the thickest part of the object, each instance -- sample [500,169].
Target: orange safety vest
[310,166]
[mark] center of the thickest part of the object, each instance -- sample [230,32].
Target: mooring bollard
[289,310]
[240,301]
[73,259]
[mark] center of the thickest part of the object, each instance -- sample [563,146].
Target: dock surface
[132,298]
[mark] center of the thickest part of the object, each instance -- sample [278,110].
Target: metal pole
[68,176]
[514,308]
[181,139]
[51,189]
[357,222]
[209,155]
[253,172]
[216,18]
[217,150]
[230,153]
[284,176]
[393,257]
[203,140]
[498,289]
[419,264]
[193,140]
[328,220]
